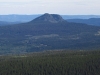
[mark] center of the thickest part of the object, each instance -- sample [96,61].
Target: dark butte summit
[53,18]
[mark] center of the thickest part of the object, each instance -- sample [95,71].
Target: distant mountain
[43,33]
[53,18]
[91,21]
[80,16]
[27,18]
[2,23]
[17,18]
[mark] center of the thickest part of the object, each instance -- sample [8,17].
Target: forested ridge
[48,32]
[52,63]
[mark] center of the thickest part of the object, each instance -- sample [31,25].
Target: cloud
[52,6]
[15,0]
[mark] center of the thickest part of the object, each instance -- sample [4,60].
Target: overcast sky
[67,7]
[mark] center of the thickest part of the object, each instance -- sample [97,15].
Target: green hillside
[52,63]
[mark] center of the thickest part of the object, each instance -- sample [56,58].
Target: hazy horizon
[54,13]
[63,7]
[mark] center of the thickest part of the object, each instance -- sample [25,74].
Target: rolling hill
[48,32]
[3,23]
[91,21]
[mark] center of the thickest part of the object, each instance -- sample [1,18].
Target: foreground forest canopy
[52,63]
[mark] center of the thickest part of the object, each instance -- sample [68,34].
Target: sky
[63,7]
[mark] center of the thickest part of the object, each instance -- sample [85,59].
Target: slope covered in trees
[48,32]
[52,63]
